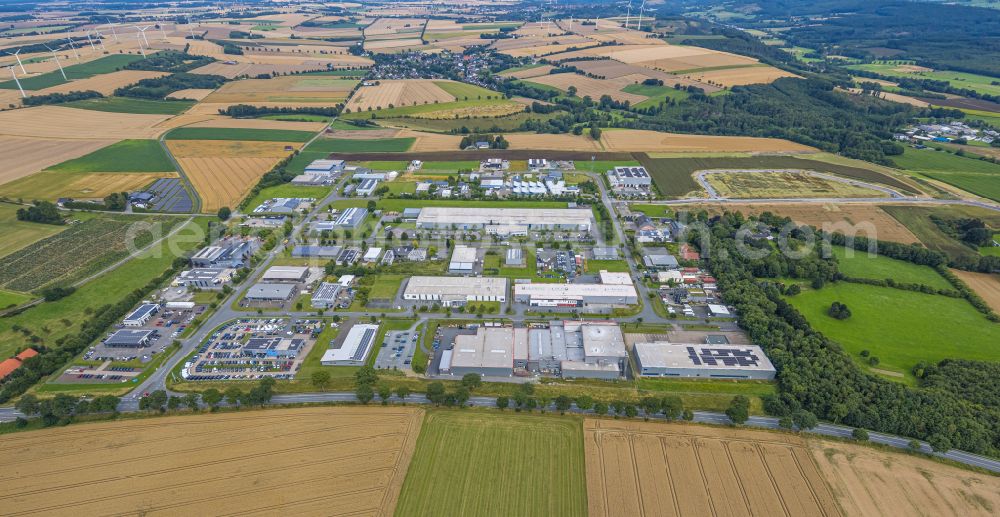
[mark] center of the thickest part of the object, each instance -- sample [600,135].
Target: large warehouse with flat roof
[490,352]
[505,221]
[354,349]
[620,292]
[452,291]
[662,359]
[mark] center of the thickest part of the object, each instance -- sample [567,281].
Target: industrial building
[660,260]
[130,338]
[350,218]
[352,352]
[514,258]
[292,274]
[505,221]
[366,188]
[325,295]
[265,292]
[453,291]
[325,167]
[605,253]
[205,277]
[615,290]
[629,177]
[141,315]
[285,348]
[715,361]
[463,260]
[572,349]
[232,253]
[324,252]
[371,255]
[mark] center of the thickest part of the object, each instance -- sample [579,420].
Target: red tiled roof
[7,367]
[28,353]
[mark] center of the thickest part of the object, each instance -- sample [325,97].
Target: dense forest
[814,373]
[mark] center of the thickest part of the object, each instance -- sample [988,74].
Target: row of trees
[61,409]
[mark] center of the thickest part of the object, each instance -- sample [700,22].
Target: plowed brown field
[308,461]
[987,286]
[642,468]
[223,172]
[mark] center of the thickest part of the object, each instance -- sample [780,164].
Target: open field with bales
[505,464]
[305,460]
[224,171]
[641,468]
[900,328]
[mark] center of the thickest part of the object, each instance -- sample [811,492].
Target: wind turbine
[642,10]
[11,68]
[91,41]
[100,39]
[190,30]
[19,63]
[54,56]
[115,34]
[162,32]
[139,39]
[628,14]
[75,53]
[143,31]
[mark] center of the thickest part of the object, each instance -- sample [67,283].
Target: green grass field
[18,234]
[900,327]
[291,117]
[973,175]
[124,156]
[130,105]
[288,190]
[471,463]
[917,220]
[243,134]
[991,250]
[375,145]
[10,298]
[49,320]
[860,265]
[656,94]
[99,66]
[979,83]
[613,266]
[384,287]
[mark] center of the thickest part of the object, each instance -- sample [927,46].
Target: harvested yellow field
[24,156]
[895,97]
[593,88]
[741,76]
[431,141]
[294,88]
[484,111]
[305,461]
[383,26]
[762,185]
[404,92]
[867,481]
[194,94]
[205,48]
[986,285]
[531,72]
[250,123]
[106,84]
[225,70]
[545,50]
[644,468]
[223,172]
[60,122]
[563,142]
[393,43]
[652,141]
[52,185]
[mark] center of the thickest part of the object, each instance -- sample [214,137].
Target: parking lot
[254,348]
[396,350]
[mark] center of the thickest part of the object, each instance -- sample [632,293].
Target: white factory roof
[355,346]
[718,310]
[490,347]
[372,254]
[601,339]
[661,354]
[285,273]
[574,291]
[580,366]
[457,286]
[609,278]
[463,257]
[504,216]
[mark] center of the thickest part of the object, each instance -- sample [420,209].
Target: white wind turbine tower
[139,39]
[162,32]
[143,31]
[628,13]
[100,39]
[19,63]
[642,10]
[91,41]
[56,58]
[11,68]
[190,30]
[75,53]
[112,25]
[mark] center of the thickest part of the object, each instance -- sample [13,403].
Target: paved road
[705,417]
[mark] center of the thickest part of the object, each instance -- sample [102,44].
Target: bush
[859,434]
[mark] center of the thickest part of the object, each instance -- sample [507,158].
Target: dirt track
[309,461]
